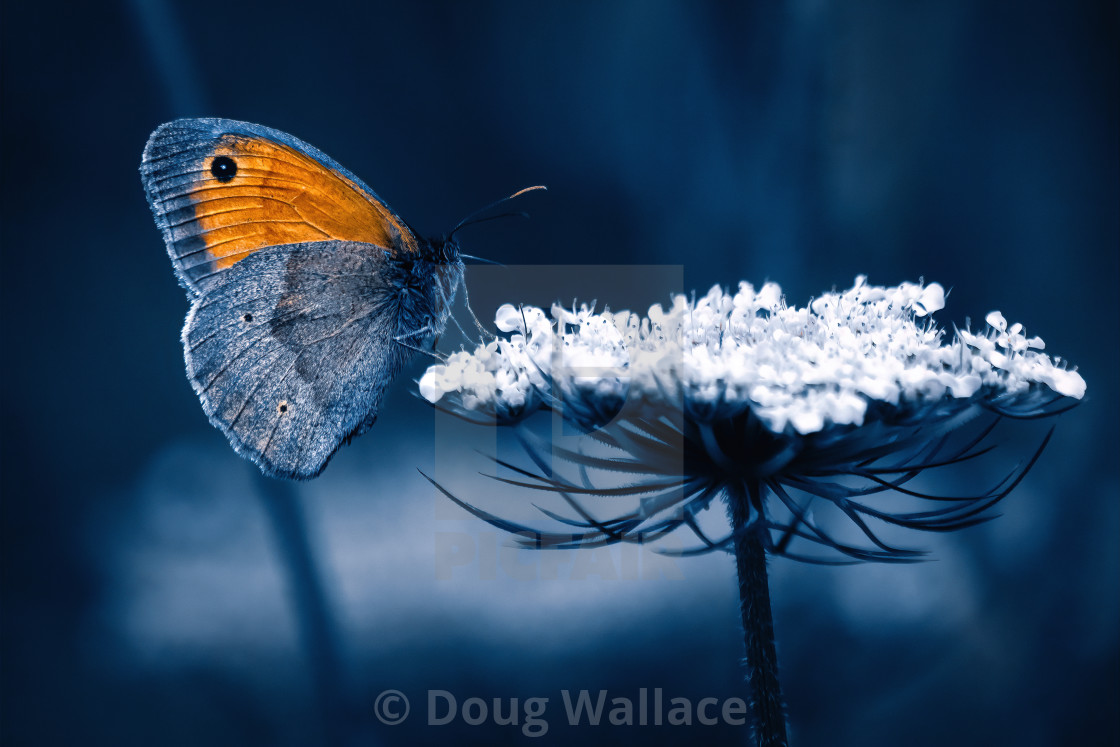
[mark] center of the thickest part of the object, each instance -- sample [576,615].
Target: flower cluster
[776,408]
[790,416]
[797,369]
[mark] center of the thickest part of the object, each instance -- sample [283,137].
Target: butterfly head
[442,251]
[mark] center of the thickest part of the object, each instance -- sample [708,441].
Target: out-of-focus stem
[309,604]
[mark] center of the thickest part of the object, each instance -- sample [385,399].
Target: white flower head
[796,369]
[773,410]
[746,396]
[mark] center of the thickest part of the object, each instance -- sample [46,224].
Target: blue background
[154,591]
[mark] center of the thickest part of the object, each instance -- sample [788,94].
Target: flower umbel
[854,395]
[768,405]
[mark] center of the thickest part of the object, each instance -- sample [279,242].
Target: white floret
[799,368]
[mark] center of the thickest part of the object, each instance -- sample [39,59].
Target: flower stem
[308,598]
[769,723]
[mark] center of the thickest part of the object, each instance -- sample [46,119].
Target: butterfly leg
[427,347]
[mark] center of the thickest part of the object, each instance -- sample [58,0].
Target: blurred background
[154,590]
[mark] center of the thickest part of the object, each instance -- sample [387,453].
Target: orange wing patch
[238,193]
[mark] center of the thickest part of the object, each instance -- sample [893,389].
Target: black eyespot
[248,317]
[283,408]
[223,168]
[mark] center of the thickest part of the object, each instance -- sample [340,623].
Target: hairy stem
[769,723]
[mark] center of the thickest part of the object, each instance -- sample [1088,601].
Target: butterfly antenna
[473,217]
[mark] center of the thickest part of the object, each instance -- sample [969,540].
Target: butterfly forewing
[221,190]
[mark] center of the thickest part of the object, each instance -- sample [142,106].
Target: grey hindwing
[291,349]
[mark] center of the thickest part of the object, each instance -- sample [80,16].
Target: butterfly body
[308,294]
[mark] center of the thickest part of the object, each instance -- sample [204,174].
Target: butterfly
[308,293]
